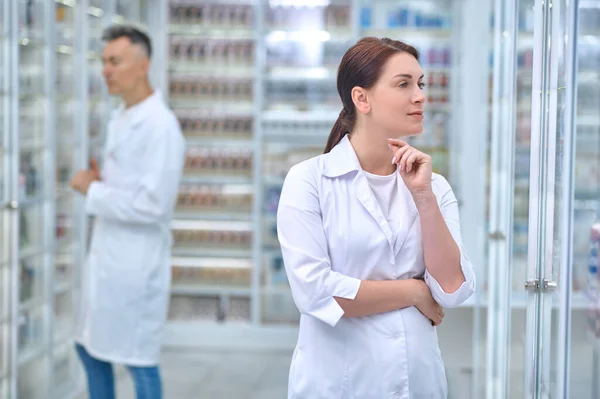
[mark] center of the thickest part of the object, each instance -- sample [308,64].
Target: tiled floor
[219,375]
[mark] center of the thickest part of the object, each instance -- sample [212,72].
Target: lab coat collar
[142,110]
[341,159]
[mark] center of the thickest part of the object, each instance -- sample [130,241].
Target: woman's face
[397,98]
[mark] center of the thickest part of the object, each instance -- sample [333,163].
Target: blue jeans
[101,381]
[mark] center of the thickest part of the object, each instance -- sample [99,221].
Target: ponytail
[338,131]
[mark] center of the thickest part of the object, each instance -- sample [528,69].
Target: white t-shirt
[385,189]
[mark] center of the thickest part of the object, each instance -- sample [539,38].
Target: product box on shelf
[198,125]
[193,308]
[219,161]
[208,89]
[195,54]
[211,14]
[212,276]
[593,283]
[226,239]
[214,198]
[306,18]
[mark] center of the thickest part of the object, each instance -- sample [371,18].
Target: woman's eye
[403,84]
[422,85]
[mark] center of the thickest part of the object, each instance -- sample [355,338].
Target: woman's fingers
[399,154]
[410,160]
[406,159]
[397,142]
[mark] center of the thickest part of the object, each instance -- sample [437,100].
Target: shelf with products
[211,90]
[433,15]
[205,17]
[224,57]
[214,307]
[216,201]
[226,162]
[205,126]
[232,239]
[210,93]
[199,276]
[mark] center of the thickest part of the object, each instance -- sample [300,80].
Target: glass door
[531,209]
[5,287]
[68,148]
[549,283]
[582,328]
[31,138]
[509,191]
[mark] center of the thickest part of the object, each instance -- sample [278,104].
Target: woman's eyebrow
[407,75]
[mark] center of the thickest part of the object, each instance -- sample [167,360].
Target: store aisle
[219,375]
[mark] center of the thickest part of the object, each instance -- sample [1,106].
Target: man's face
[125,66]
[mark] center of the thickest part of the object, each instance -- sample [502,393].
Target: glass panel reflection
[585,316]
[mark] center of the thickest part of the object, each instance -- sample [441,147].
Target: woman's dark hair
[361,66]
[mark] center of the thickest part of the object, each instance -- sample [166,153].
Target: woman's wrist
[417,291]
[423,198]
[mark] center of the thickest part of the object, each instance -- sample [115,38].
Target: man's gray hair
[135,35]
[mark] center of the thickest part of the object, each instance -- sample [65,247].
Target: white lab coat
[127,275]
[333,235]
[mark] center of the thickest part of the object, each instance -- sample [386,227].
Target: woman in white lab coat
[371,241]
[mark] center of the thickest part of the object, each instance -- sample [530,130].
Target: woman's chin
[411,132]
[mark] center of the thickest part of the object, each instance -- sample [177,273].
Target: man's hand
[95,169]
[82,179]
[427,305]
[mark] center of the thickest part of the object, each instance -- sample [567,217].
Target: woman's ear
[360,99]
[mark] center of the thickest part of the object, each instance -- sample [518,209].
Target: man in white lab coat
[126,278]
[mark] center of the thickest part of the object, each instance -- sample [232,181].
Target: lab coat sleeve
[150,199]
[305,251]
[449,209]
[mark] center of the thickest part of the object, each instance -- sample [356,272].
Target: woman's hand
[427,305]
[414,166]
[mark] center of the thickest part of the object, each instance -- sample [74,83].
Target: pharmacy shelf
[210,290]
[216,142]
[225,216]
[200,262]
[222,180]
[197,252]
[203,32]
[283,75]
[410,34]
